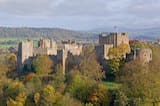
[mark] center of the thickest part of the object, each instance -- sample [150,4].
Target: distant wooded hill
[148,33]
[56,33]
[65,34]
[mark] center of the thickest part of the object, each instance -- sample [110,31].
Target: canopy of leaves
[89,66]
[80,87]
[119,51]
[49,97]
[19,101]
[42,65]
[138,45]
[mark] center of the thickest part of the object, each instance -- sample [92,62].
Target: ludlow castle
[27,52]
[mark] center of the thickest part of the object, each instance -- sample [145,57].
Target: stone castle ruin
[26,51]
[45,47]
[68,49]
[144,55]
[113,40]
[110,40]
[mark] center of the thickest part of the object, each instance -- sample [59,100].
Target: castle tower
[116,38]
[25,50]
[110,40]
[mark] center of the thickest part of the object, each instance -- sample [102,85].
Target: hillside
[56,33]
[149,33]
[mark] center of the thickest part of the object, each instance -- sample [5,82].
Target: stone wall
[102,51]
[144,55]
[47,43]
[61,58]
[73,48]
[26,51]
[44,51]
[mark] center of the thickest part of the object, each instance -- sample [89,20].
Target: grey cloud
[80,13]
[25,7]
[145,8]
[60,7]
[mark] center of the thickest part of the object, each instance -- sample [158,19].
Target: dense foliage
[84,84]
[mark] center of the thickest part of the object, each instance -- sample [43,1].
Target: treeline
[45,84]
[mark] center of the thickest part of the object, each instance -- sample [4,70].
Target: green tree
[49,97]
[119,52]
[34,84]
[12,62]
[12,66]
[112,68]
[59,78]
[11,89]
[19,101]
[89,66]
[69,101]
[140,82]
[139,45]
[43,65]
[120,99]
[100,96]
[80,87]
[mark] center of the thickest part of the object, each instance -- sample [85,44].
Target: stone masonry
[26,51]
[144,55]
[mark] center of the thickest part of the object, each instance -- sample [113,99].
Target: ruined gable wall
[73,48]
[145,55]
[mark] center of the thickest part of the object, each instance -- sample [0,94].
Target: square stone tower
[25,51]
[110,40]
[114,38]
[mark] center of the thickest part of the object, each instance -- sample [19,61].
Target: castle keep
[26,51]
[114,39]
[110,40]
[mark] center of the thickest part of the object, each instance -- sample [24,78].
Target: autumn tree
[11,89]
[80,87]
[100,96]
[119,52]
[140,82]
[33,84]
[42,65]
[67,100]
[89,66]
[138,45]
[59,78]
[12,62]
[49,97]
[19,101]
[120,98]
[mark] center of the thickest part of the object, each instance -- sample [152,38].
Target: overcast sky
[80,14]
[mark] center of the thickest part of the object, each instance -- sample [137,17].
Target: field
[8,42]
